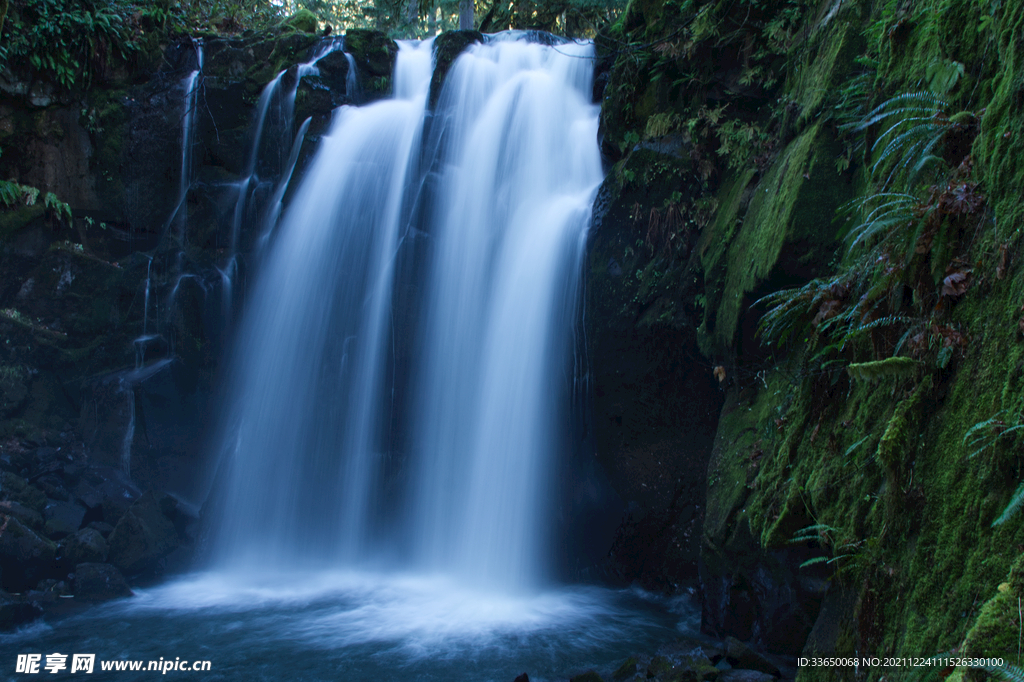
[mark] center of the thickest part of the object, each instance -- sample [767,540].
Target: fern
[914,123]
[986,434]
[1009,673]
[60,209]
[1012,508]
[882,212]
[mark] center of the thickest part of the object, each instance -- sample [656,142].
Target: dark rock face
[374,54]
[655,405]
[144,535]
[25,556]
[98,582]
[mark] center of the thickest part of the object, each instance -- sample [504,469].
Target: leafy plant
[67,39]
[826,536]
[986,434]
[913,125]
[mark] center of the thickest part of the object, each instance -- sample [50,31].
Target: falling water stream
[341,551]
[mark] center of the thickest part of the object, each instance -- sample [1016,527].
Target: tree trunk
[465,15]
[412,12]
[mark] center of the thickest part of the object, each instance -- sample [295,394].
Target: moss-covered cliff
[831,204]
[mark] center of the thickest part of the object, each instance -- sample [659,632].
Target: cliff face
[114,315]
[823,198]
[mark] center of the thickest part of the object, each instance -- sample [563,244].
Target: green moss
[304,21]
[791,207]
[14,220]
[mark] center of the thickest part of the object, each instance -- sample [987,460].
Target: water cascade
[519,168]
[510,162]
[191,86]
[397,403]
[272,136]
[304,421]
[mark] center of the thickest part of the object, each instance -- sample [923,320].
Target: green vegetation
[864,163]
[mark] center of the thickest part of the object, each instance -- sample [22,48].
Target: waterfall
[520,170]
[308,374]
[497,184]
[275,112]
[191,85]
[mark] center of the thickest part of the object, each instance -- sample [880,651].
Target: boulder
[104,528]
[85,546]
[25,556]
[62,519]
[97,582]
[29,517]
[144,535]
[741,655]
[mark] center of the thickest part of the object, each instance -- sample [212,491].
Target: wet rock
[116,493]
[333,69]
[53,486]
[87,496]
[105,529]
[29,517]
[447,47]
[25,556]
[143,536]
[97,582]
[374,54]
[741,655]
[85,546]
[522,678]
[62,519]
[15,612]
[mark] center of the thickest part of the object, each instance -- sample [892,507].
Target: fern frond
[892,209]
[1009,673]
[1012,508]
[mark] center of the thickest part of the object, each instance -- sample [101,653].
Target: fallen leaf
[955,284]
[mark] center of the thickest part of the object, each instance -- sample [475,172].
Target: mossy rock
[787,233]
[304,21]
[373,52]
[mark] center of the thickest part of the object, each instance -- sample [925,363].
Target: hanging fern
[881,213]
[914,124]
